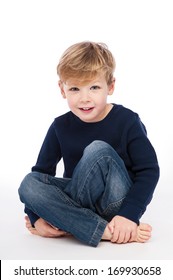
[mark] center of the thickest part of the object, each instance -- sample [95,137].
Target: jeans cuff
[97,235]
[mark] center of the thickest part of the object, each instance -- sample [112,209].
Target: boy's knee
[96,144]
[26,186]
[99,147]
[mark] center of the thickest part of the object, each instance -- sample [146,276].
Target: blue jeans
[84,204]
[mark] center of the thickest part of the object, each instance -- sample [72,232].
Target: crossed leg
[143,232]
[84,190]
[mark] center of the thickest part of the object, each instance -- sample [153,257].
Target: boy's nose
[85,96]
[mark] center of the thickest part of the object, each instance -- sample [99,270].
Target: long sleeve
[145,170]
[50,154]
[32,216]
[48,157]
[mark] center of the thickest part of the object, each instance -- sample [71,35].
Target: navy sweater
[68,136]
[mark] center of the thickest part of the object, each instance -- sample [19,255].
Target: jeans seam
[91,169]
[98,232]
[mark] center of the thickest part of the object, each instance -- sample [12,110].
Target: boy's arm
[144,167]
[50,154]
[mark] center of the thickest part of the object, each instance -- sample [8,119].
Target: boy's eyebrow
[71,84]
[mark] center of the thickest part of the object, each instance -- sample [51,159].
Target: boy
[110,166]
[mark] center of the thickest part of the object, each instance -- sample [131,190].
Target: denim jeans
[84,204]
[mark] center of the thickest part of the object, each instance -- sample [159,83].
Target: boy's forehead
[83,82]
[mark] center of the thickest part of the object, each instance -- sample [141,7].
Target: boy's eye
[74,89]
[95,87]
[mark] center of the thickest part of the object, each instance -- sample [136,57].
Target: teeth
[86,109]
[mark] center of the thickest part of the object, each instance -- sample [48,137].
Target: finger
[52,232]
[28,225]
[133,236]
[59,230]
[61,234]
[55,227]
[27,219]
[121,238]
[55,235]
[126,237]
[111,227]
[56,231]
[27,222]
[115,236]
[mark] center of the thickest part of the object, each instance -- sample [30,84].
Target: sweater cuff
[131,212]
[32,216]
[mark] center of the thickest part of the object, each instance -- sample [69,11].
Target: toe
[145,227]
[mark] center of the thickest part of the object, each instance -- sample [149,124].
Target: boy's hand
[42,228]
[123,230]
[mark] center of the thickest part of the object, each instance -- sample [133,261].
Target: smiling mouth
[86,109]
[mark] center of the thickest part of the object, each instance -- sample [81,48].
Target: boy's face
[88,101]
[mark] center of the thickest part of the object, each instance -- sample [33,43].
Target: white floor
[17,243]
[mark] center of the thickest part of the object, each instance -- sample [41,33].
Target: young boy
[110,166]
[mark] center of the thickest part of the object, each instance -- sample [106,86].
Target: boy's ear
[60,83]
[112,87]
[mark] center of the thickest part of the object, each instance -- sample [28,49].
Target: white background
[33,35]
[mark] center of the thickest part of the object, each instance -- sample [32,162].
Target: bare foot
[42,228]
[143,233]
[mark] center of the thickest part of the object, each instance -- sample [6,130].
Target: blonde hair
[86,60]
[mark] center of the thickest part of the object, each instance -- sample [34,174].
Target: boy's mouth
[86,109]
